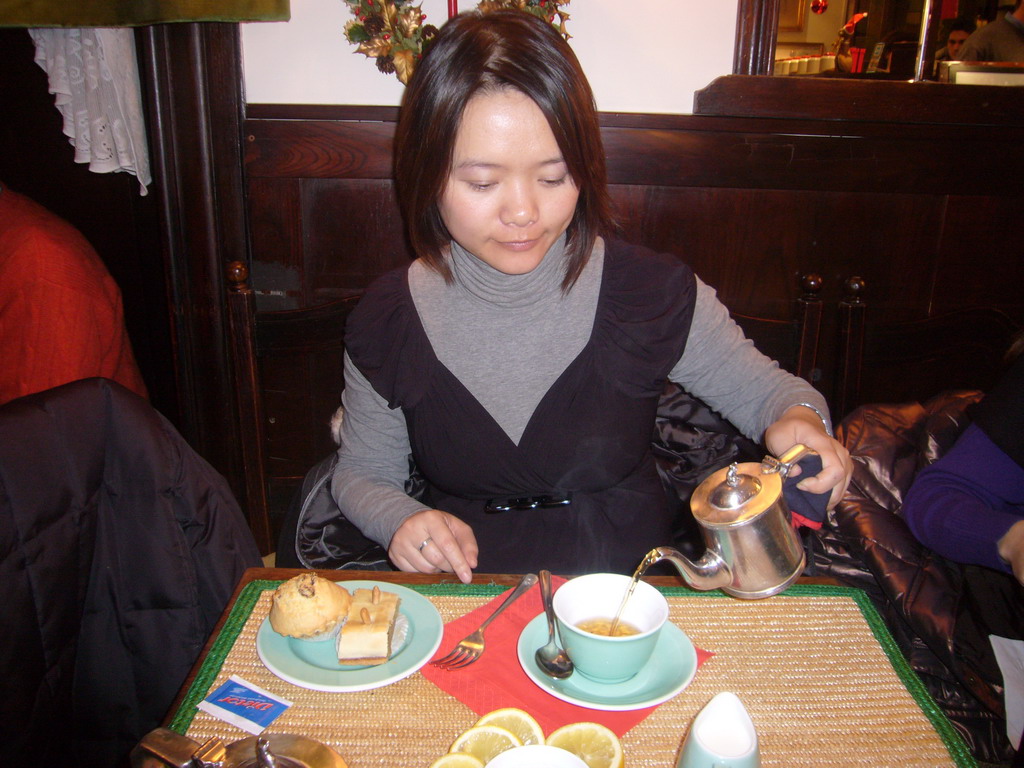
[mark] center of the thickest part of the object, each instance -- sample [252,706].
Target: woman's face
[509,195]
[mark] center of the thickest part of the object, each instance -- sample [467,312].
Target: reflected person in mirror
[520,358]
[959,31]
[999,40]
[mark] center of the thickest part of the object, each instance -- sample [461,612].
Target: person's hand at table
[1011,549]
[432,541]
[802,425]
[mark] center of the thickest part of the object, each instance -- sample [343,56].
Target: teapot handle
[785,462]
[163,747]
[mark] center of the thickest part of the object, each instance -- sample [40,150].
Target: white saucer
[671,668]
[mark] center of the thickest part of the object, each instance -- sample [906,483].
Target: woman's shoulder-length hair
[478,52]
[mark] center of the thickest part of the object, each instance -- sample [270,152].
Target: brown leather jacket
[939,612]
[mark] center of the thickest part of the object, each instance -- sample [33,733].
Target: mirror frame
[757,22]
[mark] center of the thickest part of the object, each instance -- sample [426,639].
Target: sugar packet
[245,705]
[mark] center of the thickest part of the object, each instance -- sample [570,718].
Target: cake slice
[365,638]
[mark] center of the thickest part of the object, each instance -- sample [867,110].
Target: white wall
[639,57]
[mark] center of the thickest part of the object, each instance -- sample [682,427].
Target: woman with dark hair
[489,58]
[519,359]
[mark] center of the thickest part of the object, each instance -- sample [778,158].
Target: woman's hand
[1011,549]
[431,541]
[802,425]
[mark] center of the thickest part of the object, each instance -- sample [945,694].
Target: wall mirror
[890,39]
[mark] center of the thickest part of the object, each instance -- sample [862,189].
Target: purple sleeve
[961,505]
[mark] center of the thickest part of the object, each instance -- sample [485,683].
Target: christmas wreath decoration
[393,32]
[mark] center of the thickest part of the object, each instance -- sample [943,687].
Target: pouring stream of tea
[649,559]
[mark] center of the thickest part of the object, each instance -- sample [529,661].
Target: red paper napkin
[497,679]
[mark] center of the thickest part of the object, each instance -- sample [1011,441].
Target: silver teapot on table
[163,747]
[753,551]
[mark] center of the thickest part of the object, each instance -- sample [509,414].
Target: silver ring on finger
[425,542]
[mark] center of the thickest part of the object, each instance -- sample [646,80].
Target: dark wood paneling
[792,154]
[750,243]
[307,112]
[981,253]
[302,391]
[356,150]
[353,233]
[275,230]
[912,361]
[195,110]
[315,239]
[842,100]
[288,370]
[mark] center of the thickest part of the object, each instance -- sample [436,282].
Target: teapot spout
[709,572]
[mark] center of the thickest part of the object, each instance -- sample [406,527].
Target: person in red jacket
[60,310]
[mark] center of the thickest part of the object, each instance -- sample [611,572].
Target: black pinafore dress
[589,437]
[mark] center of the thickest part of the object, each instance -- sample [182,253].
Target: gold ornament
[405,63]
[393,32]
[374,48]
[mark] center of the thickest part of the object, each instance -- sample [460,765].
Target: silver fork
[471,647]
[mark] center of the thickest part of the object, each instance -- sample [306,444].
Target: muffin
[309,607]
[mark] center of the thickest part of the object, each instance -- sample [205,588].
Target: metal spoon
[550,658]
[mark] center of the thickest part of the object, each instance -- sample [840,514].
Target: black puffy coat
[119,548]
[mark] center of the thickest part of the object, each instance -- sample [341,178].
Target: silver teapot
[163,747]
[753,551]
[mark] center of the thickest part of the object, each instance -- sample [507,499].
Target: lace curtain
[88,51]
[94,76]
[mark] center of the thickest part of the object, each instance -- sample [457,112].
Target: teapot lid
[735,491]
[734,494]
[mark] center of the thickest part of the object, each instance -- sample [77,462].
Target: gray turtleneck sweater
[507,338]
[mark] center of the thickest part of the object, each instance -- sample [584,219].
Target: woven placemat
[816,668]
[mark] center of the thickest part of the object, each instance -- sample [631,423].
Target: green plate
[671,668]
[315,665]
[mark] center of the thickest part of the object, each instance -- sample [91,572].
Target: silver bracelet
[824,421]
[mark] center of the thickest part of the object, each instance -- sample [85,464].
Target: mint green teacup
[598,596]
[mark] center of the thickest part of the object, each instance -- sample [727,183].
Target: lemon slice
[593,743]
[521,723]
[457,760]
[485,742]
